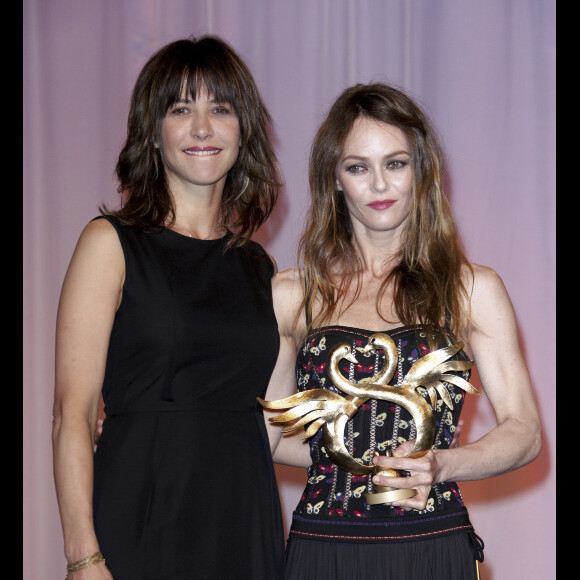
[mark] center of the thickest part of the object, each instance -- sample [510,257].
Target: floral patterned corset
[334,494]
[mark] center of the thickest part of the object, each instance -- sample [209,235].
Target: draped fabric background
[484,72]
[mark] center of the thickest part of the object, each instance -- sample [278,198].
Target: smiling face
[199,142]
[375,175]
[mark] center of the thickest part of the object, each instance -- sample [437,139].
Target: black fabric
[412,528]
[446,558]
[184,485]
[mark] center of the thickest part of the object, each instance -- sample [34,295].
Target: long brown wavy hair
[209,64]
[427,285]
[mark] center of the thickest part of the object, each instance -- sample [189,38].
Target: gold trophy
[321,408]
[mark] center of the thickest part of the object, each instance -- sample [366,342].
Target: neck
[377,254]
[197,227]
[198,216]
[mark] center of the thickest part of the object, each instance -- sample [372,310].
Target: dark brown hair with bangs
[200,64]
[427,284]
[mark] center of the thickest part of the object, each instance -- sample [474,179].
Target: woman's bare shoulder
[488,301]
[482,281]
[100,230]
[287,290]
[288,282]
[99,249]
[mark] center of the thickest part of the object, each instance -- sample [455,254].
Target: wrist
[85,562]
[440,474]
[79,550]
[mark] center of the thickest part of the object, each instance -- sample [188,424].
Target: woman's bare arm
[516,439]
[287,293]
[90,296]
[493,341]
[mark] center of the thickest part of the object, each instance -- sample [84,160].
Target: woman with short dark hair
[166,309]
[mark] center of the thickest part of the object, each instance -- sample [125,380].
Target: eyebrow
[362,157]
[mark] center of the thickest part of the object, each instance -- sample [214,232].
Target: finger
[417,502]
[404,448]
[404,463]
[410,505]
[387,463]
[387,481]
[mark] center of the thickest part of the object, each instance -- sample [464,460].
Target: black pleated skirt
[450,557]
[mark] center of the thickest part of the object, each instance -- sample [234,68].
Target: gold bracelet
[86,562]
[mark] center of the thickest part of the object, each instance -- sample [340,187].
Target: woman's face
[376,177]
[199,142]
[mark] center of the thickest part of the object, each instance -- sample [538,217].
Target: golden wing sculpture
[330,411]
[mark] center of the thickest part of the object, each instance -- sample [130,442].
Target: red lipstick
[382,204]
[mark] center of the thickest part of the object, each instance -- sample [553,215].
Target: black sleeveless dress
[184,485]
[334,532]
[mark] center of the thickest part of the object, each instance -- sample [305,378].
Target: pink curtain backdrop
[484,72]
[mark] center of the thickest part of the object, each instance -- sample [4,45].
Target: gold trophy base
[388,494]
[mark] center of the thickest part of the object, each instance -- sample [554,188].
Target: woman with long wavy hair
[166,310]
[384,283]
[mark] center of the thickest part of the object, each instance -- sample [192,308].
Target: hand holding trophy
[321,408]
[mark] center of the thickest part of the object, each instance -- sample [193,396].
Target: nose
[201,126]
[380,181]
